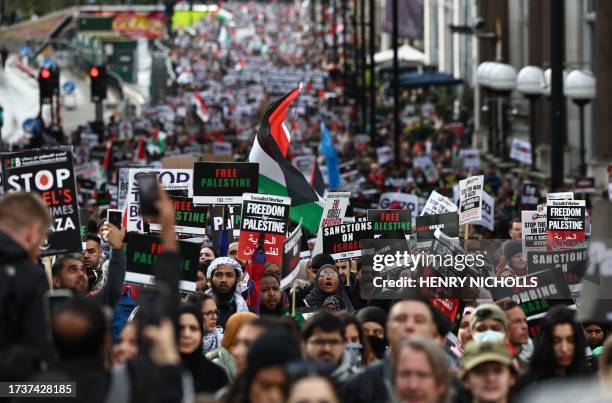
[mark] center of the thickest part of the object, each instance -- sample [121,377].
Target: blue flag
[326,147]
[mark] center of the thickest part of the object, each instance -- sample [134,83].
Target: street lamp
[483,79]
[529,83]
[502,80]
[580,87]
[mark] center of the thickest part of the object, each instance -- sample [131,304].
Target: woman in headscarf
[207,377]
[327,283]
[222,356]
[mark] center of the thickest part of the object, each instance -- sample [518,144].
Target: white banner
[471,158]
[521,151]
[334,211]
[384,154]
[438,204]
[400,201]
[470,199]
[534,231]
[169,179]
[488,212]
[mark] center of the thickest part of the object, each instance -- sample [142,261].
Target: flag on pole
[277,176]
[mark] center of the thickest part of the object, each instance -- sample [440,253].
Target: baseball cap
[487,351]
[488,311]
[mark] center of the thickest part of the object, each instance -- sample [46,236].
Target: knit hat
[486,351]
[321,259]
[372,314]
[511,248]
[224,261]
[488,311]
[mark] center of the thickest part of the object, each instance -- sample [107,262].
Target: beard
[224,297]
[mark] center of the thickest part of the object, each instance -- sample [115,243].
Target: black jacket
[368,386]
[22,288]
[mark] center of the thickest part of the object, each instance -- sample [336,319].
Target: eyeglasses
[330,274]
[209,314]
[322,342]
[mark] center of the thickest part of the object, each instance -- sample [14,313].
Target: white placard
[470,199]
[520,150]
[438,204]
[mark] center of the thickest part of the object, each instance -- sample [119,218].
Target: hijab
[317,297]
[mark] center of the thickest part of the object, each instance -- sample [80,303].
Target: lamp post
[502,80]
[580,87]
[482,77]
[529,83]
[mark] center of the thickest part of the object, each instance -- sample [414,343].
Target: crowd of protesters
[322,341]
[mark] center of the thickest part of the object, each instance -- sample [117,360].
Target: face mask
[354,351]
[489,335]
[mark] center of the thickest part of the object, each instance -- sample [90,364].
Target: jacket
[369,386]
[23,285]
[110,293]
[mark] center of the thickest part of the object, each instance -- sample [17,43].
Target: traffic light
[48,83]
[98,78]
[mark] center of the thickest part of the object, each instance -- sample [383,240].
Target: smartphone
[53,300]
[150,307]
[114,217]
[148,192]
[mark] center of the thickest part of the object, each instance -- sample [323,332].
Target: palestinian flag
[277,176]
[201,107]
[316,179]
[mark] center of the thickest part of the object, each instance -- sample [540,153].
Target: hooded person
[327,283]
[224,273]
[316,263]
[207,377]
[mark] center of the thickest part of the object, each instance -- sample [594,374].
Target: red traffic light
[45,73]
[94,72]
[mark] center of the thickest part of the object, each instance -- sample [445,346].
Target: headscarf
[373,314]
[224,261]
[198,365]
[316,297]
[233,325]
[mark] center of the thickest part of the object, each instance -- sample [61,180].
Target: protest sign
[426,226]
[304,164]
[552,290]
[534,231]
[142,253]
[470,199]
[471,158]
[50,173]
[224,182]
[399,201]
[217,222]
[390,224]
[384,154]
[190,219]
[84,223]
[264,223]
[344,241]
[530,195]
[520,150]
[291,251]
[222,148]
[427,166]
[488,212]
[565,223]
[437,204]
[572,263]
[585,185]
[175,181]
[559,196]
[334,211]
[123,183]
